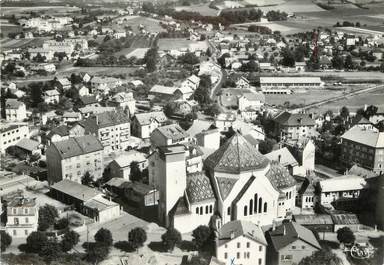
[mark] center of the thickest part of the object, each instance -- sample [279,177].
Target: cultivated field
[203,9]
[20,43]
[40,9]
[179,43]
[99,70]
[150,24]
[294,6]
[137,42]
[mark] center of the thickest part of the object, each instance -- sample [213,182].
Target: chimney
[284,230]
[273,225]
[232,235]
[253,232]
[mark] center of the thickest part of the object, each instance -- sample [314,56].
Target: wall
[297,252]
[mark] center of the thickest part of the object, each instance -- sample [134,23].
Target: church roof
[180,207]
[280,177]
[225,185]
[235,156]
[199,187]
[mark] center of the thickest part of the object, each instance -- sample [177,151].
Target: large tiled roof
[225,185]
[27,144]
[280,177]
[235,156]
[145,118]
[283,156]
[12,103]
[294,119]
[366,137]
[78,146]
[180,208]
[199,187]
[288,233]
[241,228]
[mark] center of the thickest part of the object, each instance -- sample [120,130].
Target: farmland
[20,43]
[98,70]
[137,42]
[147,23]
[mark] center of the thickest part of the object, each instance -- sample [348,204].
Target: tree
[104,236]
[212,109]
[221,60]
[70,239]
[202,236]
[288,58]
[87,179]
[36,241]
[137,237]
[39,58]
[36,93]
[337,62]
[321,257]
[171,238]
[150,59]
[47,216]
[51,250]
[348,64]
[5,240]
[345,236]
[189,58]
[135,174]
[202,93]
[267,145]
[96,252]
[61,224]
[344,113]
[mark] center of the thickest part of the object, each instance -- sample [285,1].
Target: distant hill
[362,2]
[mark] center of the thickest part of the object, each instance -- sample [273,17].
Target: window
[197,210]
[245,210]
[265,207]
[238,244]
[206,209]
[260,248]
[302,247]
[238,255]
[260,261]
[26,220]
[255,206]
[229,211]
[210,209]
[248,244]
[26,210]
[26,232]
[293,247]
[225,255]
[286,257]
[260,204]
[201,210]
[225,245]
[14,232]
[251,207]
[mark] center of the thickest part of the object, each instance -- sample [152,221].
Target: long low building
[290,82]
[86,200]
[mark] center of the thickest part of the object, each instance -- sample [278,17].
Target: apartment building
[143,124]
[112,128]
[168,135]
[363,147]
[72,158]
[22,217]
[11,134]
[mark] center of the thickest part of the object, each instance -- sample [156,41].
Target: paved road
[350,94]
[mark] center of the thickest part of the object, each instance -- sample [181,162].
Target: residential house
[294,126]
[254,101]
[120,167]
[22,217]
[289,243]
[143,124]
[71,116]
[63,84]
[183,92]
[15,110]
[70,159]
[242,242]
[168,135]
[89,101]
[105,84]
[224,121]
[51,96]
[124,100]
[192,82]
[83,91]
[285,158]
[11,134]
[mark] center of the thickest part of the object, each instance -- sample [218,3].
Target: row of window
[15,232]
[208,209]
[13,140]
[246,255]
[11,132]
[14,210]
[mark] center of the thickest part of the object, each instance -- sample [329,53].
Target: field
[150,24]
[355,102]
[203,9]
[98,70]
[20,43]
[49,10]
[293,6]
[138,42]
[176,44]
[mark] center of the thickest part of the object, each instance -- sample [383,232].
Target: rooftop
[104,119]
[236,155]
[287,79]
[288,233]
[364,136]
[294,119]
[125,159]
[77,146]
[27,144]
[76,190]
[12,103]
[173,131]
[343,183]
[239,228]
[21,201]
[145,118]
[283,156]
[280,177]
[199,187]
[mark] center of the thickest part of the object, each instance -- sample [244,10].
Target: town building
[254,101]
[290,82]
[242,242]
[168,135]
[26,147]
[70,159]
[363,147]
[51,96]
[15,110]
[120,167]
[183,92]
[22,217]
[11,134]
[105,84]
[289,243]
[86,200]
[345,187]
[294,126]
[224,121]
[143,124]
[112,128]
[124,100]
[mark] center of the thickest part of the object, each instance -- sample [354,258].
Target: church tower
[171,178]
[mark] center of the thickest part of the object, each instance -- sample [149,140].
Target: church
[237,183]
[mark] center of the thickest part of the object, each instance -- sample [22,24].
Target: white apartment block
[11,134]
[22,217]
